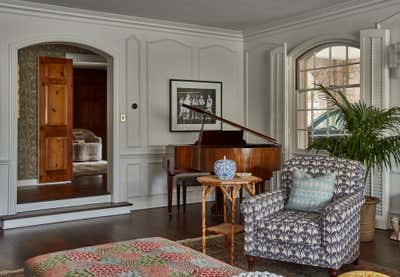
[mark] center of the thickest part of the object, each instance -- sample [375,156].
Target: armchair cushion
[310,193]
[292,227]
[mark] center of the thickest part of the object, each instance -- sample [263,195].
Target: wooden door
[55,119]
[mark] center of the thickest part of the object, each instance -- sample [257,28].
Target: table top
[213,180]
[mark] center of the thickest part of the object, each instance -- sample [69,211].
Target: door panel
[56,105]
[55,119]
[56,148]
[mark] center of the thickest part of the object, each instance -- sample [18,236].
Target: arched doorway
[90,140]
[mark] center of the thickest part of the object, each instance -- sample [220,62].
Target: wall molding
[112,19]
[218,46]
[148,44]
[322,15]
[133,85]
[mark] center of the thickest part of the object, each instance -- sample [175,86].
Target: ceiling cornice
[321,15]
[111,19]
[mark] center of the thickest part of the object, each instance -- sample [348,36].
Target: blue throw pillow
[310,194]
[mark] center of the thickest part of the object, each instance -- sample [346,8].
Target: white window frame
[293,55]
[299,90]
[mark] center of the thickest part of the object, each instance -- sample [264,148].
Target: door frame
[113,66]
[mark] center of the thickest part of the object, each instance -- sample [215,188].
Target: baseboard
[35,182]
[35,206]
[381,223]
[28,183]
[48,219]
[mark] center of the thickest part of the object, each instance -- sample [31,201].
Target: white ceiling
[232,14]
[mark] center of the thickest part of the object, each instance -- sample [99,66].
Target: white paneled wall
[146,54]
[166,59]
[4,188]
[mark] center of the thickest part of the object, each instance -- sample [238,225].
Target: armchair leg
[250,261]
[333,272]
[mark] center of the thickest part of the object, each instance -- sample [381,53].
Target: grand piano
[259,159]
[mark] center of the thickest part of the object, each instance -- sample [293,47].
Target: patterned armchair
[328,239]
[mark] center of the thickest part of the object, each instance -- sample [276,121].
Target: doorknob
[134,106]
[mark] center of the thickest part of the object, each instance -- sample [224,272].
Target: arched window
[334,65]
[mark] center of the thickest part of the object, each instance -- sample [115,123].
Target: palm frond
[372,133]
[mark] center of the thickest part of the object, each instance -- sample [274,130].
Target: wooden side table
[230,190]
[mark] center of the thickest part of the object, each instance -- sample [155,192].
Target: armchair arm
[255,208]
[341,225]
[263,205]
[341,209]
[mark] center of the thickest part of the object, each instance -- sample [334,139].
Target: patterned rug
[216,249]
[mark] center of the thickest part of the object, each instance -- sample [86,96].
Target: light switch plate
[123,117]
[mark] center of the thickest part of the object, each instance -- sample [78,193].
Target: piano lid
[268,138]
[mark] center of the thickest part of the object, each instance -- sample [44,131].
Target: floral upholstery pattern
[292,227]
[327,239]
[141,257]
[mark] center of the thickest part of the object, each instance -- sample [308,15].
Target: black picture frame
[208,95]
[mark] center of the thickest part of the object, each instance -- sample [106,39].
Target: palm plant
[371,135]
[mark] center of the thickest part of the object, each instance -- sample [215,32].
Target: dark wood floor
[82,186]
[20,244]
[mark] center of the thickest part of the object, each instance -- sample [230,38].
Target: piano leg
[170,188]
[262,186]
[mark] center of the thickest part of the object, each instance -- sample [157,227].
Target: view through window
[336,66]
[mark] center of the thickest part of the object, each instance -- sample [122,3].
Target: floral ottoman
[140,257]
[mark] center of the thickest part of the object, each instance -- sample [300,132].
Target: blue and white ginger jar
[225,169]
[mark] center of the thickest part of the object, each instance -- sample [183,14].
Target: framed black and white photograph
[206,95]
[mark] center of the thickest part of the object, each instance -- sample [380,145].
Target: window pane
[306,62]
[338,55]
[339,75]
[306,80]
[304,100]
[302,139]
[322,58]
[354,55]
[319,101]
[304,119]
[353,94]
[321,76]
[318,119]
[334,125]
[354,74]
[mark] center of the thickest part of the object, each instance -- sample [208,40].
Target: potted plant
[371,135]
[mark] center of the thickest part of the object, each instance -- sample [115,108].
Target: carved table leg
[178,195]
[233,215]
[203,217]
[170,188]
[225,208]
[234,193]
[250,261]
